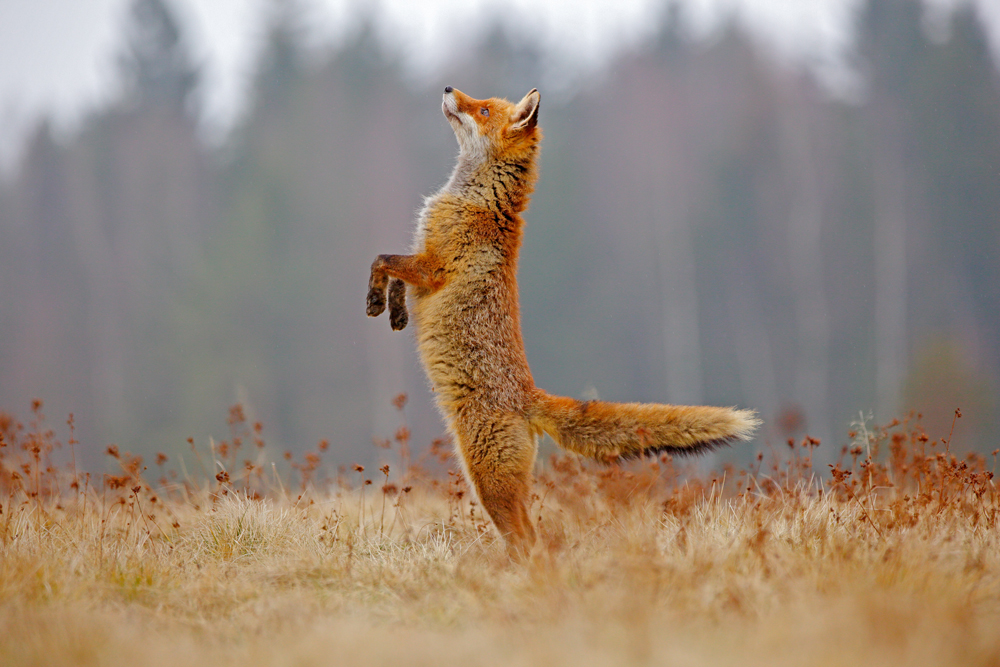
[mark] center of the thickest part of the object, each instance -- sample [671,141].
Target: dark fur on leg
[375,303]
[398,317]
[376,287]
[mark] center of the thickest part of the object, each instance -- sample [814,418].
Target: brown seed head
[236,414]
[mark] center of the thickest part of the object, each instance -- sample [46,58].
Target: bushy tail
[613,431]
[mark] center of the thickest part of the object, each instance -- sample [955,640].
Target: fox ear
[525,114]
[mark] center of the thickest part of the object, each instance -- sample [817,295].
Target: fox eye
[485,112]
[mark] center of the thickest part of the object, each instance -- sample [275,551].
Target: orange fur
[462,280]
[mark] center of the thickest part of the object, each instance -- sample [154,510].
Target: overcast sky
[57,56]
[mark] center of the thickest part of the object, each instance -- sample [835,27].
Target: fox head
[488,129]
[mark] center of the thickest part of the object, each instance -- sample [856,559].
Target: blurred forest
[709,226]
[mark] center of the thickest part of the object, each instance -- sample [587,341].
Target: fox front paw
[398,317]
[375,302]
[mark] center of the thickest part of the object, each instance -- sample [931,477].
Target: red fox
[462,275]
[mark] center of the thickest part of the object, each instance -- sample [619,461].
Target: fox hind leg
[499,457]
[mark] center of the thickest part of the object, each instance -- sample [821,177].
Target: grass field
[893,558]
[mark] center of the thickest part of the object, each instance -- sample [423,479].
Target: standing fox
[462,275]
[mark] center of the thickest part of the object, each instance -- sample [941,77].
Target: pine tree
[156,68]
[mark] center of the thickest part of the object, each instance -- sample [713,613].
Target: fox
[460,284]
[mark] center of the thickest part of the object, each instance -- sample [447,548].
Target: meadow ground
[892,559]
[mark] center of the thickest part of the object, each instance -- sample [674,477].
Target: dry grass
[895,559]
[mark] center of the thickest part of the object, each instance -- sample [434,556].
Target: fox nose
[448,89]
